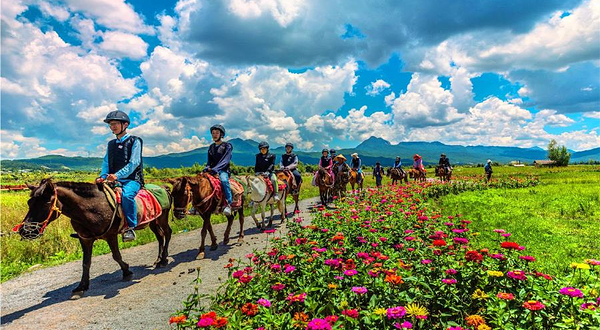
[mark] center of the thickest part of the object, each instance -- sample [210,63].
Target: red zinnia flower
[439,242]
[509,245]
[473,256]
[533,305]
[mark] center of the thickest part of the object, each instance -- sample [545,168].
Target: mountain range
[371,150]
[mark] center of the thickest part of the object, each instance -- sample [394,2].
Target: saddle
[237,190]
[280,184]
[291,179]
[149,207]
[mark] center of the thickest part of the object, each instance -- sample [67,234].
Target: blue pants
[378,181]
[298,177]
[130,189]
[224,177]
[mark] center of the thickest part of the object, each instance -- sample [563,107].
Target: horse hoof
[200,256]
[240,240]
[162,264]
[77,295]
[214,247]
[127,275]
[225,242]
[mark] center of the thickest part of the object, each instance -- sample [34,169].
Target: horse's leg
[272,206]
[113,243]
[254,208]
[241,219]
[159,238]
[213,237]
[163,223]
[86,246]
[228,229]
[205,222]
[296,198]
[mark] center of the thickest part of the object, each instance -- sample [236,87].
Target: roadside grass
[558,220]
[56,246]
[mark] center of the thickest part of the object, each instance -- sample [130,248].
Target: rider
[265,164]
[357,167]
[340,165]
[488,170]
[418,164]
[398,165]
[445,163]
[378,173]
[123,163]
[325,163]
[219,156]
[332,154]
[289,161]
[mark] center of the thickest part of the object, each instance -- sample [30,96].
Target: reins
[29,226]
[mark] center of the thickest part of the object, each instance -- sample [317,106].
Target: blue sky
[318,74]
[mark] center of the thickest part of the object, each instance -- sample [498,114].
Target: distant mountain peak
[373,142]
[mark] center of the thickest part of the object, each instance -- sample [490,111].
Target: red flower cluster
[250,309]
[474,256]
[510,245]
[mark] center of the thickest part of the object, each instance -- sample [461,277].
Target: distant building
[516,163]
[545,162]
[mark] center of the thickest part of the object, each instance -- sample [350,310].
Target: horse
[325,184]
[443,174]
[354,180]
[288,177]
[341,182]
[199,191]
[92,217]
[417,175]
[261,196]
[396,175]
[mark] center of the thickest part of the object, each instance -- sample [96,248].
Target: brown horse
[294,191]
[354,180]
[325,183]
[417,175]
[92,218]
[200,193]
[396,175]
[444,175]
[341,182]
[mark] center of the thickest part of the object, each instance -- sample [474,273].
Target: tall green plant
[558,154]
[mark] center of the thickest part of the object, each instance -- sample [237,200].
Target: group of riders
[123,163]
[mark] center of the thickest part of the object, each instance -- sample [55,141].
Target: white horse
[257,190]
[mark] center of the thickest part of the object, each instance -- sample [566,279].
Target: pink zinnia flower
[571,292]
[449,281]
[517,275]
[359,290]
[353,313]
[404,325]
[264,302]
[395,312]
[533,305]
[318,324]
[350,272]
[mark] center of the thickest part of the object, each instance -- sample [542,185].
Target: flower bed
[386,262]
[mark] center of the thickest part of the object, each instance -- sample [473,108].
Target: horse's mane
[83,189]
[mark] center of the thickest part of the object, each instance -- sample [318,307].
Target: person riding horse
[445,163]
[265,166]
[340,165]
[418,164]
[219,156]
[398,165]
[123,163]
[356,166]
[325,163]
[332,154]
[289,162]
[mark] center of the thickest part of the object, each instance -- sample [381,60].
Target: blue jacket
[134,161]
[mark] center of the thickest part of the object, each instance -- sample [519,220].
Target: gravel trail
[40,299]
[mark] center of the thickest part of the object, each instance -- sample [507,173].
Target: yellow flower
[380,311]
[593,293]
[343,304]
[483,327]
[495,273]
[332,286]
[579,265]
[479,294]
[416,310]
[475,320]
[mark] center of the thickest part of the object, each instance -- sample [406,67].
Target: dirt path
[40,299]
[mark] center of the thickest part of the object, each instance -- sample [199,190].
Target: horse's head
[282,175]
[182,196]
[324,177]
[44,207]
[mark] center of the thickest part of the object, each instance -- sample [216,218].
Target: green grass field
[56,246]
[558,221]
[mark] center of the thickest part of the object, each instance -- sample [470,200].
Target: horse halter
[188,199]
[32,227]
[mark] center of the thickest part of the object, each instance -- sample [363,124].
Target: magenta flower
[359,290]
[571,292]
[527,258]
[205,322]
[318,324]
[395,312]
[350,272]
[451,271]
[289,269]
[517,275]
[264,302]
[449,281]
[404,325]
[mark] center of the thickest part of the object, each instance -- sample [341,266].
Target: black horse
[92,218]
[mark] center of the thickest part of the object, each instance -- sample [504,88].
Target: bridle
[188,199]
[41,226]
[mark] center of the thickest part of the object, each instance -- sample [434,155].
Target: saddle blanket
[148,209]
[237,191]
[280,184]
